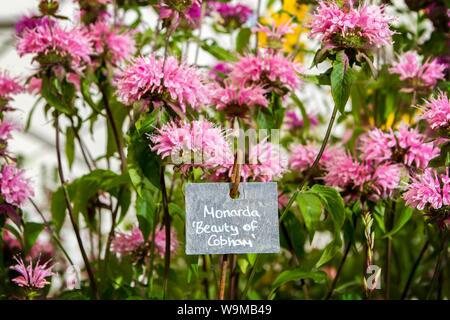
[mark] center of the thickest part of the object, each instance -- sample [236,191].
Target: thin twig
[49,226]
[71,215]
[223,277]
[115,131]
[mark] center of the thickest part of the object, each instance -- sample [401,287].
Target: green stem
[414,269]
[48,225]
[250,277]
[339,270]
[167,226]
[314,165]
[437,269]
[70,211]
[387,268]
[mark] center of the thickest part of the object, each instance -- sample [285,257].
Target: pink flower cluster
[266,162]
[127,243]
[41,247]
[106,39]
[9,86]
[220,71]
[46,40]
[236,101]
[406,146]
[294,120]
[272,71]
[31,22]
[32,277]
[198,143]
[418,75]
[276,32]
[232,15]
[160,241]
[14,187]
[178,85]
[186,13]
[429,189]
[6,128]
[302,157]
[364,27]
[348,174]
[436,111]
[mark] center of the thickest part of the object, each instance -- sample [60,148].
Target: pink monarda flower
[9,86]
[436,111]
[32,277]
[6,128]
[47,40]
[386,178]
[178,85]
[160,241]
[232,16]
[417,151]
[197,143]
[125,243]
[302,157]
[376,145]
[30,23]
[429,189]
[236,101]
[220,71]
[174,12]
[344,172]
[266,162]
[418,75]
[276,32]
[34,85]
[108,39]
[364,27]
[272,71]
[14,187]
[10,241]
[406,143]
[294,120]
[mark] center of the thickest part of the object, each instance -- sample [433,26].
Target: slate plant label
[218,224]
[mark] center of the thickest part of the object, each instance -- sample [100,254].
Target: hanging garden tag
[218,224]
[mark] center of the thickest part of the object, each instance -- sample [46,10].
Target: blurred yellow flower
[290,11]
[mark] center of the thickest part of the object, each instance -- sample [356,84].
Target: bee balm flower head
[178,85]
[365,27]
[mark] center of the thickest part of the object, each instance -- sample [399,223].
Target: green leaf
[174,209]
[342,77]
[333,203]
[296,275]
[243,39]
[50,93]
[70,146]
[404,217]
[85,86]
[301,106]
[144,166]
[330,251]
[58,209]
[145,212]
[31,232]
[218,52]
[311,208]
